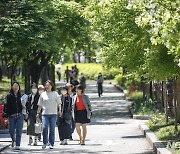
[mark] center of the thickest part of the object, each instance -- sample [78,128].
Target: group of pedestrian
[72,77]
[68,110]
[72,73]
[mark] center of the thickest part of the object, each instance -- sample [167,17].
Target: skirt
[31,123]
[81,117]
[64,129]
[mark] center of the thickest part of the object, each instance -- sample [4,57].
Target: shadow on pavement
[132,137]
[106,123]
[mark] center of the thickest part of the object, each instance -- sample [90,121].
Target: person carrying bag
[64,120]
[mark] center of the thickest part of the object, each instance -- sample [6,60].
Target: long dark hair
[12,91]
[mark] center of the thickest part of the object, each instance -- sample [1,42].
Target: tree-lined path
[111,130]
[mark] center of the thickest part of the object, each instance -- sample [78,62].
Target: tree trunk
[165,101]
[151,90]
[48,73]
[35,73]
[13,74]
[175,104]
[0,73]
[37,64]
[51,73]
[178,99]
[44,75]
[27,78]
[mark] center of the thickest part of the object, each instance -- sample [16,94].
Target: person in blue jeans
[14,111]
[49,102]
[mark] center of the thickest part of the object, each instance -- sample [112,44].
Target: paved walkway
[112,131]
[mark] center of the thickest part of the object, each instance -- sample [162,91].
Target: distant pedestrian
[32,107]
[72,74]
[65,117]
[75,83]
[67,74]
[100,81]
[76,70]
[59,74]
[82,111]
[49,102]
[82,80]
[14,111]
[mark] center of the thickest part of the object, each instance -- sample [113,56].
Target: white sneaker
[65,142]
[61,143]
[35,142]
[17,148]
[30,141]
[44,146]
[51,147]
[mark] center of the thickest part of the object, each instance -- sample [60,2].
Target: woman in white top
[49,102]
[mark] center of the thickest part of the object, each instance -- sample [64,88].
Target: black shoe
[70,138]
[12,144]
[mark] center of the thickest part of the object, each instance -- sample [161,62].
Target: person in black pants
[65,117]
[71,94]
[32,107]
[100,84]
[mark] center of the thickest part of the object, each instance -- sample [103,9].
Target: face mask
[41,91]
[63,92]
[34,91]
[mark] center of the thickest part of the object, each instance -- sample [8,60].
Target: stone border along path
[111,131]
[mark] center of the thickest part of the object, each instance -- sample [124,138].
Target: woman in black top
[64,119]
[14,111]
[32,107]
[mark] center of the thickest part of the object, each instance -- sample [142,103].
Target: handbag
[38,127]
[67,115]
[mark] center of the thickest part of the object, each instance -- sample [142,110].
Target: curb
[138,117]
[118,87]
[157,145]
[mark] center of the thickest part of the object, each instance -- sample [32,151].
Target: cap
[40,86]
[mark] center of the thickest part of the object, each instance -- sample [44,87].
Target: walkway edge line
[157,145]
[4,147]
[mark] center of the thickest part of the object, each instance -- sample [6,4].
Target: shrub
[168,133]
[128,83]
[137,95]
[139,105]
[120,80]
[158,121]
[111,73]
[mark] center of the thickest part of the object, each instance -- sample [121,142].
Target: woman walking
[82,108]
[64,119]
[49,102]
[71,94]
[14,111]
[32,107]
[100,84]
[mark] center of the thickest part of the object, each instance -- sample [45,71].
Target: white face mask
[41,91]
[34,91]
[63,92]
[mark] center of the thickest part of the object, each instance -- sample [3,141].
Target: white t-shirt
[49,101]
